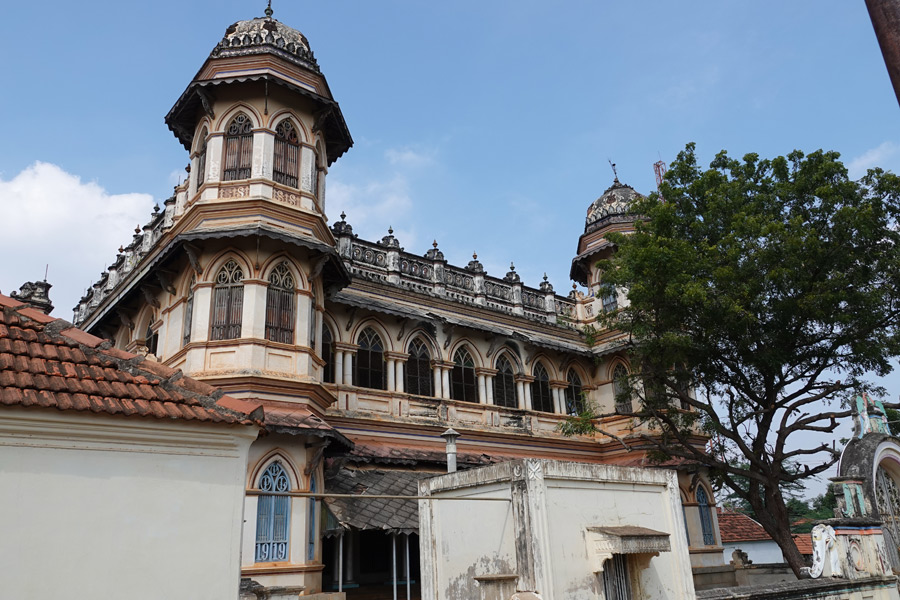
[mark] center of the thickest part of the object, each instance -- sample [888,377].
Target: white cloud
[407,157]
[52,217]
[884,156]
[374,206]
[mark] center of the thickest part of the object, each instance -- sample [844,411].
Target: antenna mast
[659,168]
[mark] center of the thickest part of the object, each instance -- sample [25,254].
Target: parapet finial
[434,244]
[615,174]
[269,10]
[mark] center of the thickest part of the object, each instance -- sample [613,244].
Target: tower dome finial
[269,10]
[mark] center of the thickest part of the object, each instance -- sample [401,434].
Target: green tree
[760,292]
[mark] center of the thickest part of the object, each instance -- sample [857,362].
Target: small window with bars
[369,372]
[201,158]
[463,384]
[188,313]
[574,394]
[280,305]
[706,525]
[616,578]
[419,378]
[238,148]
[286,166]
[328,355]
[273,515]
[505,384]
[622,389]
[541,395]
[228,303]
[609,297]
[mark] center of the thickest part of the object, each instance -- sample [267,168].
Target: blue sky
[484,125]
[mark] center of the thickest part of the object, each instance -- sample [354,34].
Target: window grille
[280,305]
[709,538]
[188,313]
[505,385]
[541,396]
[273,515]
[201,158]
[151,339]
[621,389]
[328,355]
[238,148]
[311,523]
[463,384]
[286,167]
[419,379]
[370,361]
[228,302]
[574,394]
[609,297]
[616,581]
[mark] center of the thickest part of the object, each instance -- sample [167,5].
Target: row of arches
[507,382]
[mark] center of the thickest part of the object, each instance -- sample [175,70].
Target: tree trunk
[773,516]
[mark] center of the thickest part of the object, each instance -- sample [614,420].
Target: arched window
[228,302]
[313,321]
[370,360]
[574,394]
[280,305]
[621,389]
[151,340]
[462,379]
[328,355]
[188,313]
[419,379]
[238,148]
[286,167]
[609,297]
[201,158]
[505,384]
[706,526]
[311,522]
[273,515]
[541,396]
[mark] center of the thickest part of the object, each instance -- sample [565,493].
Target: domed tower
[609,213]
[260,122]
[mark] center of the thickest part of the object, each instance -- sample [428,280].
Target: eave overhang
[181,119]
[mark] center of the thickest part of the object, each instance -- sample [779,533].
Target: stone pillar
[438,388]
[339,366]
[489,388]
[445,381]
[348,368]
[520,394]
[526,384]
[482,392]
[400,380]
[391,366]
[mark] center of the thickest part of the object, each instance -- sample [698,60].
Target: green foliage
[590,334]
[772,286]
[893,419]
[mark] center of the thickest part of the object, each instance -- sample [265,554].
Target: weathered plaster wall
[102,507]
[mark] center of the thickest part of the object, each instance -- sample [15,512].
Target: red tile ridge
[10,302]
[81,337]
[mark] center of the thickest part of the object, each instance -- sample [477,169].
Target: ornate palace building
[361,353]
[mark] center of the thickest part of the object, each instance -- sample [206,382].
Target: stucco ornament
[824,552]
[869,417]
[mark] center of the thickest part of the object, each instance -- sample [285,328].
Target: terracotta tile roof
[738,527]
[299,418]
[803,541]
[387,514]
[46,362]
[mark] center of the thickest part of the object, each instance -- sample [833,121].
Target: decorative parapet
[430,274]
[128,258]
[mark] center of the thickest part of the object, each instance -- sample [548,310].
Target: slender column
[348,368]
[406,567]
[400,381]
[351,548]
[394,563]
[489,388]
[527,386]
[436,371]
[557,407]
[445,382]
[339,366]
[339,560]
[390,374]
[482,392]
[520,394]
